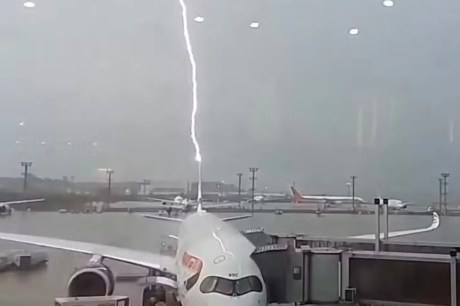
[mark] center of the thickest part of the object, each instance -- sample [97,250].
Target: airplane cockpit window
[224,286]
[208,284]
[248,284]
[231,287]
[191,281]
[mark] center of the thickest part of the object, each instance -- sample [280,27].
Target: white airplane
[177,200]
[299,198]
[179,203]
[5,207]
[259,198]
[213,263]
[187,205]
[397,204]
[269,197]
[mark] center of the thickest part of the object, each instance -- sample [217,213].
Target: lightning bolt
[194,94]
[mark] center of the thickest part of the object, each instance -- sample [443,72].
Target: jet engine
[95,279]
[5,210]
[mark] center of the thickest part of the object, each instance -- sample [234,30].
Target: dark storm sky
[299,97]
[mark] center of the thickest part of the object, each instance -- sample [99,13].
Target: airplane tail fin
[296,195]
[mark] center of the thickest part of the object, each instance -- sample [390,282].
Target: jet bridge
[295,275]
[319,275]
[299,275]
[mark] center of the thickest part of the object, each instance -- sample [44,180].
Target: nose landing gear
[158,296]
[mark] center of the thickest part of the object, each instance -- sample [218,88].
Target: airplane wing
[232,218]
[221,205]
[162,200]
[156,199]
[162,218]
[226,219]
[175,206]
[140,258]
[22,202]
[434,225]
[171,203]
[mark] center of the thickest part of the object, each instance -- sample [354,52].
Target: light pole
[26,165]
[109,187]
[445,175]
[253,178]
[239,174]
[353,178]
[440,194]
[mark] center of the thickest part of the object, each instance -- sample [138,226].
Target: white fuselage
[331,199]
[299,198]
[259,198]
[181,201]
[396,204]
[214,265]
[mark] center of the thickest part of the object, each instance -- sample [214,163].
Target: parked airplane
[5,207]
[178,203]
[397,204]
[212,266]
[259,198]
[213,263]
[299,198]
[270,197]
[185,205]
